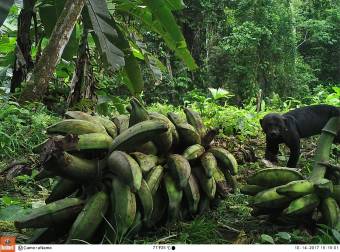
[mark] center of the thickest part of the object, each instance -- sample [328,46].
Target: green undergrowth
[21,128]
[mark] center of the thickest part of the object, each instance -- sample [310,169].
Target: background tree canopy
[284,47]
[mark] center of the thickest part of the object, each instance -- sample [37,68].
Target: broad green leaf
[336,90]
[5,6]
[135,81]
[284,236]
[336,235]
[156,66]
[219,93]
[97,17]
[146,16]
[163,14]
[7,44]
[49,12]
[175,4]
[136,52]
[267,239]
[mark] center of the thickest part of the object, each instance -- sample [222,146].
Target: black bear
[288,128]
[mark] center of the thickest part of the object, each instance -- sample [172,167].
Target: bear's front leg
[294,147]
[272,150]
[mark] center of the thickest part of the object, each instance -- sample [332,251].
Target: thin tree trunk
[168,65]
[78,79]
[38,84]
[23,62]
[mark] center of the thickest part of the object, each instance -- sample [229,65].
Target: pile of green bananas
[134,172]
[284,193]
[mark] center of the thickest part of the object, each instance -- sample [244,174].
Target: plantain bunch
[134,172]
[285,194]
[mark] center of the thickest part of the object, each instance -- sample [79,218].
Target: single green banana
[302,205]
[188,134]
[121,122]
[180,169]
[271,177]
[124,207]
[138,112]
[126,168]
[174,196]
[209,164]
[146,162]
[193,152]
[296,189]
[89,218]
[154,178]
[139,133]
[251,189]
[51,214]
[110,127]
[208,185]
[145,197]
[192,194]
[195,120]
[75,126]
[269,198]
[330,212]
[63,188]
[225,159]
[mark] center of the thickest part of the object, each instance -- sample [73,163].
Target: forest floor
[228,222]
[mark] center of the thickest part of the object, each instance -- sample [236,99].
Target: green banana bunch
[128,175]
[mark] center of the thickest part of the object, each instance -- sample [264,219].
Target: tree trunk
[80,73]
[38,84]
[23,62]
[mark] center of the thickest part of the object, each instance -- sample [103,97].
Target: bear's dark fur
[288,128]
